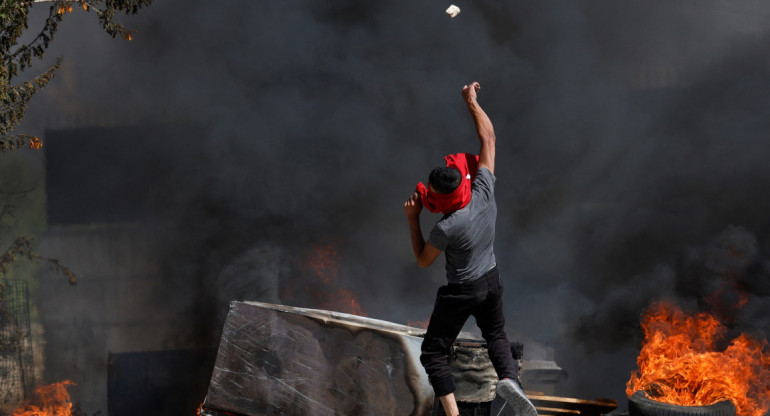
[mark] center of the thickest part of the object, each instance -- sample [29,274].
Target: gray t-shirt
[467,235]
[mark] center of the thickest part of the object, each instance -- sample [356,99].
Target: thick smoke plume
[631,160]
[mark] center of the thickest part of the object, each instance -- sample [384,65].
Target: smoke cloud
[631,159]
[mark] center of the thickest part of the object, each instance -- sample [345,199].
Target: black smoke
[631,142]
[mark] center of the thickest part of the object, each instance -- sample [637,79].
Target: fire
[346,301]
[419,324]
[35,143]
[51,400]
[323,262]
[322,265]
[680,363]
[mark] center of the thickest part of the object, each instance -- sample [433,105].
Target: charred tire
[641,405]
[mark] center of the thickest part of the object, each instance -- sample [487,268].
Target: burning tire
[641,405]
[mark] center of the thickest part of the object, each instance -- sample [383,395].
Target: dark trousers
[481,298]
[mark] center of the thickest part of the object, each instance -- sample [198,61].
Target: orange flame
[323,264]
[679,363]
[35,143]
[51,400]
[419,324]
[346,302]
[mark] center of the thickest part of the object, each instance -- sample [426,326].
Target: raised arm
[424,252]
[484,127]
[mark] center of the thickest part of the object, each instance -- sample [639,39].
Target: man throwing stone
[464,192]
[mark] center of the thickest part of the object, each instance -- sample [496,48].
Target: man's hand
[469,92]
[413,206]
[425,253]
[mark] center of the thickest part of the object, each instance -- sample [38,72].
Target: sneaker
[512,393]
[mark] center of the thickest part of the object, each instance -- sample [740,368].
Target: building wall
[121,303]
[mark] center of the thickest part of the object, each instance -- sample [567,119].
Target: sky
[631,152]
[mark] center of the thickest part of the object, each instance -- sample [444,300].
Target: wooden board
[555,406]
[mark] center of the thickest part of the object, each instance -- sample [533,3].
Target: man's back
[467,235]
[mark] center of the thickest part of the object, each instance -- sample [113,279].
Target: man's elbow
[427,256]
[424,263]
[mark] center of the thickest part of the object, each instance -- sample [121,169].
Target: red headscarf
[468,165]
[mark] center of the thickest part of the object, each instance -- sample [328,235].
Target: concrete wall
[121,303]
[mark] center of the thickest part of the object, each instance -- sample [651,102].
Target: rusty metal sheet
[278,360]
